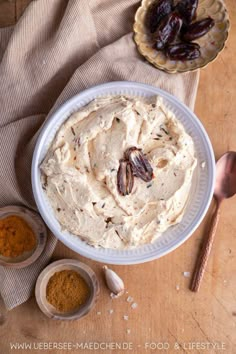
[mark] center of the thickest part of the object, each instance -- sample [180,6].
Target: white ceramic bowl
[202,186]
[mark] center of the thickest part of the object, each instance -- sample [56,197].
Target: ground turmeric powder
[16,236]
[67,290]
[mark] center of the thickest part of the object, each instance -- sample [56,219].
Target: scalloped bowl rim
[175,70]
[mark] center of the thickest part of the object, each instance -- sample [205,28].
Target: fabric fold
[57,49]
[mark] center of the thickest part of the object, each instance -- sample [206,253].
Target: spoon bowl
[225,185]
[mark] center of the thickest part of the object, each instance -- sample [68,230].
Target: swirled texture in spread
[79,172]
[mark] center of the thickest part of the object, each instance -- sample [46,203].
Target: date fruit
[183,51]
[167,31]
[187,9]
[125,178]
[140,165]
[156,12]
[198,29]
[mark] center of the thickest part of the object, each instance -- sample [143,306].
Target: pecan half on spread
[125,178]
[140,165]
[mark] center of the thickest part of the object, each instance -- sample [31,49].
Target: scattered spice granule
[99,313]
[126,317]
[234,313]
[130,299]
[177,287]
[164,130]
[72,130]
[134,305]
[128,331]
[186,274]
[111,311]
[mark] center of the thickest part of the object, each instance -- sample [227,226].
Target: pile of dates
[173,28]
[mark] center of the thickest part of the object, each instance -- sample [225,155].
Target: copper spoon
[225,187]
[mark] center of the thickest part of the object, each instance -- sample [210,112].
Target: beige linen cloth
[57,49]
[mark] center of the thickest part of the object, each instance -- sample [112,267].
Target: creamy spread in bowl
[80,171]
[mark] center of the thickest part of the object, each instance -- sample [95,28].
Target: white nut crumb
[203,164]
[126,317]
[134,305]
[99,313]
[186,274]
[177,287]
[128,331]
[111,311]
[114,296]
[130,299]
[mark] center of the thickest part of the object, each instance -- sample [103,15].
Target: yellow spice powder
[67,290]
[16,236]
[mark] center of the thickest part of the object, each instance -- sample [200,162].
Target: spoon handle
[205,251]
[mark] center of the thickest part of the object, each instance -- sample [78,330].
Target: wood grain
[167,310]
[7,13]
[21,6]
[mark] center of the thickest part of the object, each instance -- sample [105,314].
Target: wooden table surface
[164,313]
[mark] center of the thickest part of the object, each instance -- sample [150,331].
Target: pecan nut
[140,165]
[125,178]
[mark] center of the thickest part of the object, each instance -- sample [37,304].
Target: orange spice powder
[16,236]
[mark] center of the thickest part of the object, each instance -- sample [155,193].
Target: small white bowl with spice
[67,290]
[23,236]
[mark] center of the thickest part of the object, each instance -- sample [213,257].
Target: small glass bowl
[39,229]
[66,264]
